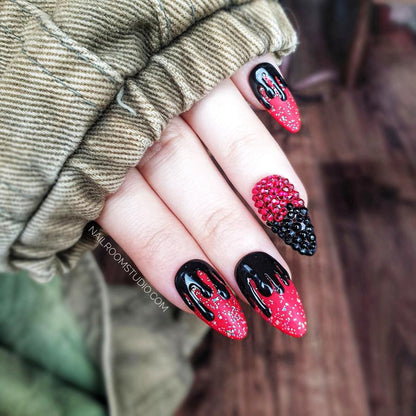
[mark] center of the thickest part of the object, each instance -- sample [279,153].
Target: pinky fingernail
[206,294]
[271,90]
[281,208]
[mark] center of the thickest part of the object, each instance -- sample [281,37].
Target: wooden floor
[357,157]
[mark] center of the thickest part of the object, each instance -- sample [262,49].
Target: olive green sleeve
[87,87]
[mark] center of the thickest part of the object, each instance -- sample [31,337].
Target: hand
[187,230]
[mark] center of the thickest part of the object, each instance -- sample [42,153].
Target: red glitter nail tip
[287,313]
[267,286]
[272,91]
[204,291]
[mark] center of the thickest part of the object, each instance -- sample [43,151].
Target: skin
[176,206]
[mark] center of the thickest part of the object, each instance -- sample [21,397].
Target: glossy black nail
[271,90]
[204,291]
[268,288]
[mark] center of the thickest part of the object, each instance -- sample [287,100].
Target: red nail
[267,286]
[205,292]
[271,90]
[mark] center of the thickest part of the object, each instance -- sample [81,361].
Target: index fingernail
[271,90]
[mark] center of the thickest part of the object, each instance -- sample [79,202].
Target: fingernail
[267,286]
[285,213]
[271,90]
[206,294]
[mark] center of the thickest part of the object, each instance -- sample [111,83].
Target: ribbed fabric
[87,87]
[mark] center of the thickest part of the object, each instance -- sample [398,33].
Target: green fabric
[78,346]
[27,390]
[45,365]
[36,324]
[86,87]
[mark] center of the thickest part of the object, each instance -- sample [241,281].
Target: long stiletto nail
[205,292]
[285,213]
[271,90]
[268,288]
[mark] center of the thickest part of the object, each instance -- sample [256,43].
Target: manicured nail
[205,292]
[285,213]
[271,90]
[267,286]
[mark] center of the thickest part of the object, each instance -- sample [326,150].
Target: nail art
[279,205]
[205,292]
[271,90]
[267,286]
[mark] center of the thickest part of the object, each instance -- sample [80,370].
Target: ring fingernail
[267,286]
[206,294]
[280,207]
[271,90]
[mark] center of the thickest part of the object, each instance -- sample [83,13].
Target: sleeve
[87,87]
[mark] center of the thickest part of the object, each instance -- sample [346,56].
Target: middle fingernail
[267,286]
[206,294]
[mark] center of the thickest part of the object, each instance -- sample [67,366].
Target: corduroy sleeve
[86,87]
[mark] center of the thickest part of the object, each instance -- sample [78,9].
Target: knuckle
[218,224]
[175,129]
[155,244]
[171,141]
[240,146]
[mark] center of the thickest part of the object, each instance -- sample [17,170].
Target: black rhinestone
[296,230]
[297,226]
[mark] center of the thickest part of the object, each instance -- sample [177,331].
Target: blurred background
[354,74]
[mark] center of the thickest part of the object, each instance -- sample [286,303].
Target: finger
[255,164]
[264,87]
[220,223]
[169,257]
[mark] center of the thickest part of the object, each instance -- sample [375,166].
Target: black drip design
[257,81]
[267,274]
[187,281]
[296,230]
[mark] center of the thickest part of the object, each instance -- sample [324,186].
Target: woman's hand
[187,230]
